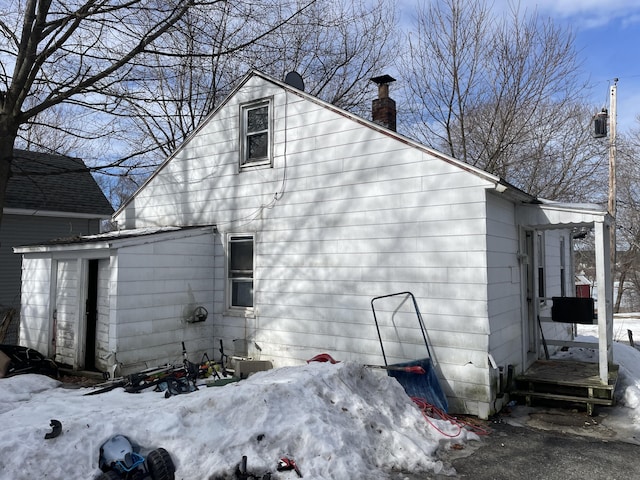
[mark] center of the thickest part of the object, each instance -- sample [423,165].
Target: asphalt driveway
[545,444]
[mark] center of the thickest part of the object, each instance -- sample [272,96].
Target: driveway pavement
[547,444]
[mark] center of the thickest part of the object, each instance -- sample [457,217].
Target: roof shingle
[43,181]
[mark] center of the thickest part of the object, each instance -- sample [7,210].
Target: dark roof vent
[295,80]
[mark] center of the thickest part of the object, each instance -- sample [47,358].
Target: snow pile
[629,375]
[626,418]
[627,357]
[335,421]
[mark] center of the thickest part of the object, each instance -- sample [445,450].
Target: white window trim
[233,309]
[244,108]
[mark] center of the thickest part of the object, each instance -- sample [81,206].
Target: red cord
[431,411]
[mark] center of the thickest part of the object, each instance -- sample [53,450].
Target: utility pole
[612,167]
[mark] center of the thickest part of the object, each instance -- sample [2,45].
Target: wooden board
[569,372]
[566,381]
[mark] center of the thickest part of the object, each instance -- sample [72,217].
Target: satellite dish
[295,80]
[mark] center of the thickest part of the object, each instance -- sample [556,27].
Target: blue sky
[608,39]
[608,42]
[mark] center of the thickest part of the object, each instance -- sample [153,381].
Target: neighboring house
[48,196]
[284,216]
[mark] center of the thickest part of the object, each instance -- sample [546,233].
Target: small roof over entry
[550,215]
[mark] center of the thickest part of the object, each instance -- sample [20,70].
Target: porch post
[605,298]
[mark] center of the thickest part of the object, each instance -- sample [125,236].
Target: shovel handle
[417,369]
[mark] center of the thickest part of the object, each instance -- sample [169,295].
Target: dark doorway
[91,313]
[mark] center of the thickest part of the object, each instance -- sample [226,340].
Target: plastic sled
[426,385]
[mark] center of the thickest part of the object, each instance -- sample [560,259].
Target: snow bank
[336,421]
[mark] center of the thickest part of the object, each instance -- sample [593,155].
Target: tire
[137,475]
[160,465]
[109,475]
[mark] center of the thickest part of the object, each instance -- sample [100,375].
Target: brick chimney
[383,108]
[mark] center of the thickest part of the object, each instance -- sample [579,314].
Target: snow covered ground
[621,323]
[337,422]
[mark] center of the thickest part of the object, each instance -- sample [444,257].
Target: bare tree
[502,93]
[336,45]
[444,71]
[560,160]
[78,53]
[627,268]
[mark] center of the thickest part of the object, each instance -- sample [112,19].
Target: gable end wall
[345,214]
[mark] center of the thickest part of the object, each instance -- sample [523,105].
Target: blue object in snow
[425,386]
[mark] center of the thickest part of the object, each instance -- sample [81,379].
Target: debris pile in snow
[334,421]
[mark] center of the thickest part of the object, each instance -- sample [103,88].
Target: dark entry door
[91,314]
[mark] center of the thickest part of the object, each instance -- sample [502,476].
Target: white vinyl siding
[345,214]
[504,274]
[102,322]
[158,285]
[344,211]
[147,290]
[66,311]
[36,319]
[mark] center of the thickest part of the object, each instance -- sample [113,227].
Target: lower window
[240,271]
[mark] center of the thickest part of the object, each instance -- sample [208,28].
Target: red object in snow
[289,464]
[322,357]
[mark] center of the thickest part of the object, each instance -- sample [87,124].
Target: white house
[283,216]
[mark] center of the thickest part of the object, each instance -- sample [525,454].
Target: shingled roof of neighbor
[48,182]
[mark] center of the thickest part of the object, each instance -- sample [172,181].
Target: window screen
[256,136]
[241,271]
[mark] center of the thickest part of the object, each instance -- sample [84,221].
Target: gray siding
[18,230]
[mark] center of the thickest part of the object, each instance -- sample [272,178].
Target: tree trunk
[7,141]
[621,280]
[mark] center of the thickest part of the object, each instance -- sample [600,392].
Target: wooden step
[589,402]
[563,398]
[566,381]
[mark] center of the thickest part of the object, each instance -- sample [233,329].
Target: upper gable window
[256,134]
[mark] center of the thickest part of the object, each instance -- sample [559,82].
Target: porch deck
[567,381]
